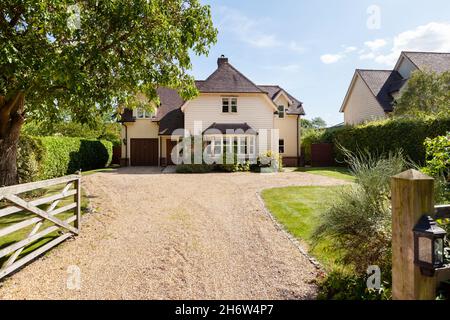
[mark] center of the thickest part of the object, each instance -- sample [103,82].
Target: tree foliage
[426,94]
[101,57]
[62,60]
[315,123]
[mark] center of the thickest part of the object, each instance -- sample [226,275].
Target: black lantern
[428,245]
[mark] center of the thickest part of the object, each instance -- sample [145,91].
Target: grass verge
[332,172]
[298,209]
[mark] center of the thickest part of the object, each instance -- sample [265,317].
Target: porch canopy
[230,129]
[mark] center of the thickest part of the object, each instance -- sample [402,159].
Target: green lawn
[333,172]
[21,216]
[298,208]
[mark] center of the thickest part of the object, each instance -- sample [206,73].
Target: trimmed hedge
[388,135]
[49,157]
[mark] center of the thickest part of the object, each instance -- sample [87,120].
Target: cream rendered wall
[252,108]
[141,128]
[361,105]
[288,128]
[256,110]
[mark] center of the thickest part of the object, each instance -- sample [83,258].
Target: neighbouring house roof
[241,128]
[432,61]
[382,83]
[273,91]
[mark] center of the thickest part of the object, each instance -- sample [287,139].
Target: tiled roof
[224,127]
[432,61]
[169,114]
[382,83]
[227,79]
[273,91]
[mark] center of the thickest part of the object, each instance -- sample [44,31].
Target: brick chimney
[221,60]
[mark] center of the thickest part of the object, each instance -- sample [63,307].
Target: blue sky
[311,48]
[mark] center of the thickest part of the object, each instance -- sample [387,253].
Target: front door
[169,146]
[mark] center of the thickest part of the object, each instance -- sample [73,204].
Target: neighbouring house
[230,108]
[372,92]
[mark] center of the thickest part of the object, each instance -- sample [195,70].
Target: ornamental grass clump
[358,222]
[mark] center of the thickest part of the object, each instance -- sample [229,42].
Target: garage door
[144,152]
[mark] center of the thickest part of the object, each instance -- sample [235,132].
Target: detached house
[372,92]
[229,109]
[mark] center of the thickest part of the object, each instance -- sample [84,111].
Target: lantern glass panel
[425,253]
[439,251]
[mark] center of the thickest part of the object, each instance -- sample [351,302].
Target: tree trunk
[11,120]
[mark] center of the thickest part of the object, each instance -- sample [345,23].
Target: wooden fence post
[412,197]
[77,200]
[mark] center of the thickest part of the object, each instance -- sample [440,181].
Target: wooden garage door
[144,152]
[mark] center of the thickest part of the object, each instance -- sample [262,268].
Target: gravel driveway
[173,236]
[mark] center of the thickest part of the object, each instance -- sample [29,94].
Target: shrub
[358,222]
[49,157]
[194,168]
[438,155]
[338,285]
[438,165]
[102,131]
[382,137]
[30,153]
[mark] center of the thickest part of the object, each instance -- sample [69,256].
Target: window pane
[251,145]
[140,113]
[242,146]
[225,105]
[217,146]
[425,254]
[281,146]
[234,105]
[280,111]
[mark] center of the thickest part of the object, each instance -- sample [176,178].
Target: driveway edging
[288,235]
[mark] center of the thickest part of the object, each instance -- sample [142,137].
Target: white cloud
[294,46]
[350,49]
[264,41]
[246,29]
[331,58]
[434,36]
[367,56]
[375,44]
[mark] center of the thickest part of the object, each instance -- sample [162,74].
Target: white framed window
[281,146]
[251,145]
[280,112]
[242,146]
[217,146]
[141,113]
[229,105]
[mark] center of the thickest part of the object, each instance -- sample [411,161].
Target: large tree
[426,94]
[62,59]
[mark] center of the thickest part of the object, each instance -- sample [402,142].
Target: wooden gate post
[412,197]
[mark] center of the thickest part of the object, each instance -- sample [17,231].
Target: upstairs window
[141,113]
[229,105]
[280,112]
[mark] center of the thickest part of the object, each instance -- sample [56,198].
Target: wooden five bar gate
[19,200]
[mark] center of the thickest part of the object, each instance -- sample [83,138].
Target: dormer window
[141,113]
[280,112]
[229,105]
